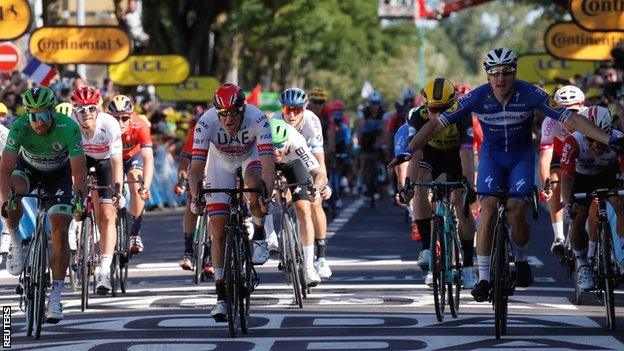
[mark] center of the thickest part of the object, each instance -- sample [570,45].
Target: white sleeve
[316,142]
[548,133]
[4,133]
[201,139]
[116,146]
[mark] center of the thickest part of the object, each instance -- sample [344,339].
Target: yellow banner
[15,16]
[195,88]
[150,69]
[568,41]
[543,68]
[84,44]
[598,14]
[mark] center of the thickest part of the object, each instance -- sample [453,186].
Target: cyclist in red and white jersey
[235,135]
[138,160]
[101,139]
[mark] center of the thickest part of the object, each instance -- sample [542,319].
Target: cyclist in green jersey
[40,147]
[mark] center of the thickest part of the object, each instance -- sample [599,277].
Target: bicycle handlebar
[598,193]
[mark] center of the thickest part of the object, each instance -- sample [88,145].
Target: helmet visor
[504,70]
[40,116]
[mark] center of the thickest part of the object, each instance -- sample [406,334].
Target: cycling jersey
[136,137]
[553,135]
[453,136]
[402,139]
[297,149]
[106,142]
[343,139]
[46,152]
[577,157]
[4,133]
[310,128]
[187,149]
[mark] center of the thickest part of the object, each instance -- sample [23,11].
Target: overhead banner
[15,17]
[598,14]
[543,68]
[80,44]
[197,88]
[568,41]
[150,69]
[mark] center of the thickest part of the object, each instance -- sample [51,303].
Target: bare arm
[545,156]
[585,126]
[79,173]
[426,133]
[320,157]
[567,181]
[467,162]
[148,166]
[117,167]
[183,167]
[7,163]
[268,172]
[195,175]
[401,173]
[319,177]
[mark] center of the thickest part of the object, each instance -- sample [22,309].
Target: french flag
[40,72]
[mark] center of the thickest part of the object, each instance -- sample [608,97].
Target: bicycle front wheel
[86,262]
[232,274]
[454,286]
[438,267]
[246,285]
[42,280]
[199,249]
[290,238]
[500,259]
[607,272]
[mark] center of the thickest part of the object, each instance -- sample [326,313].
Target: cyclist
[65,108]
[587,165]
[296,161]
[340,149]
[449,152]
[551,143]
[294,101]
[5,238]
[318,104]
[138,160]
[235,134]
[101,139]
[43,147]
[505,109]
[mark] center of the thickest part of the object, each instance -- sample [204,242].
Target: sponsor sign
[568,41]
[195,88]
[15,16]
[80,44]
[543,68]
[150,69]
[603,15]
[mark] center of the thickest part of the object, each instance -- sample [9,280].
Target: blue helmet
[294,97]
[374,98]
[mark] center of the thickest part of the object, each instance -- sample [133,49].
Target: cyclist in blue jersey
[340,147]
[505,109]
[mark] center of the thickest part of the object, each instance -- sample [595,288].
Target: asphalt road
[376,300]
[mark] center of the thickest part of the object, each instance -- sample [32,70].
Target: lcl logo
[148,66]
[189,85]
[552,63]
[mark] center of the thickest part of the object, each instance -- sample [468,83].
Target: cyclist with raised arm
[101,139]
[296,161]
[588,165]
[505,109]
[43,147]
[294,101]
[549,162]
[235,134]
[449,152]
[138,161]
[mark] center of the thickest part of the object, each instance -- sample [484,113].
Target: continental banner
[80,44]
[568,41]
[195,88]
[15,17]
[150,69]
[543,68]
[602,15]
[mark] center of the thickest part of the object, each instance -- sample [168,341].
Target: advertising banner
[568,41]
[598,14]
[194,88]
[150,69]
[15,17]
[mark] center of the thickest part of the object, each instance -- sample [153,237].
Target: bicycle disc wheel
[246,285]
[85,262]
[607,271]
[28,286]
[41,284]
[198,244]
[501,269]
[454,287]
[231,275]
[290,239]
[438,267]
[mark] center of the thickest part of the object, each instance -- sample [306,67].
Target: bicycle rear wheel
[123,250]
[232,275]
[438,267]
[454,287]
[199,250]
[294,270]
[607,272]
[42,279]
[500,259]
[86,262]
[28,282]
[246,285]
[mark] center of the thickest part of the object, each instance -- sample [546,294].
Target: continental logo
[566,40]
[597,7]
[598,14]
[84,44]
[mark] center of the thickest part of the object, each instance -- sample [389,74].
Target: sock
[258,232]
[218,274]
[308,256]
[268,224]
[521,252]
[188,243]
[468,249]
[558,230]
[484,267]
[105,264]
[581,256]
[220,288]
[135,225]
[320,247]
[258,221]
[57,289]
[424,228]
[591,248]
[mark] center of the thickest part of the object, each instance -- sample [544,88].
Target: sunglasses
[279,146]
[317,102]
[81,110]
[123,119]
[504,70]
[292,109]
[437,109]
[229,112]
[40,116]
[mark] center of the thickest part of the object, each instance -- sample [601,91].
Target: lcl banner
[568,41]
[543,68]
[604,15]
[15,17]
[195,88]
[150,69]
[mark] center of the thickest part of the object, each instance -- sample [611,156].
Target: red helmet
[85,95]
[229,96]
[336,105]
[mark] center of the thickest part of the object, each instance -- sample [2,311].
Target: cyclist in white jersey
[294,101]
[236,135]
[101,139]
[5,237]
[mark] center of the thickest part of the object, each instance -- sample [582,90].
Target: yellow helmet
[317,93]
[439,92]
[120,105]
[65,108]
[4,109]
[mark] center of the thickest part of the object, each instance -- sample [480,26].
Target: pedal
[220,318]
[280,266]
[19,289]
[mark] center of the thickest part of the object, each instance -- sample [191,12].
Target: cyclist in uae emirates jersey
[138,160]
[43,147]
[505,109]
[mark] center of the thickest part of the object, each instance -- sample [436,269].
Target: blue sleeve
[401,140]
[346,131]
[461,109]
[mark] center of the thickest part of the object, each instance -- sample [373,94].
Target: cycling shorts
[104,176]
[513,171]
[134,162]
[555,162]
[58,182]
[586,183]
[438,161]
[295,172]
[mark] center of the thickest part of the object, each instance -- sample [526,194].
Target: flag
[254,96]
[40,72]
[367,89]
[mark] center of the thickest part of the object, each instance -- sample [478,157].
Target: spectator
[132,20]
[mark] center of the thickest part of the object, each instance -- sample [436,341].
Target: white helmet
[500,56]
[569,95]
[409,94]
[600,116]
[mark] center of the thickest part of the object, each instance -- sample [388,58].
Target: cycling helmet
[279,131]
[317,93]
[439,92]
[336,105]
[600,116]
[229,96]
[3,108]
[65,108]
[409,94]
[569,95]
[374,98]
[120,104]
[38,97]
[294,97]
[85,95]
[498,57]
